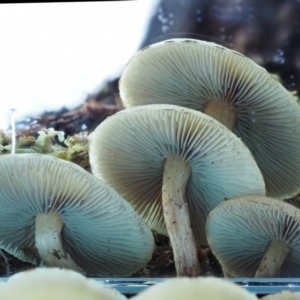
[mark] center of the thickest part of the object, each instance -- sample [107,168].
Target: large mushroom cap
[241,230]
[208,288]
[129,149]
[55,284]
[101,232]
[233,89]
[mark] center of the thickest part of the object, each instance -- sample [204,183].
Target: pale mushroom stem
[175,208]
[273,259]
[48,242]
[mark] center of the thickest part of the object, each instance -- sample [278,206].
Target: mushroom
[229,87]
[55,212]
[284,295]
[173,165]
[255,236]
[209,288]
[55,283]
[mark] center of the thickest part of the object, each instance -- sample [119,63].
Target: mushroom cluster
[202,124]
[173,165]
[142,157]
[229,87]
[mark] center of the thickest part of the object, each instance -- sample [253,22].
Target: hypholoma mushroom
[284,295]
[229,87]
[254,236]
[208,288]
[55,212]
[55,283]
[173,165]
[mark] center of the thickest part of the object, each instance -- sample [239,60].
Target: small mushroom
[284,295]
[254,236]
[229,87]
[173,165]
[208,288]
[58,284]
[56,212]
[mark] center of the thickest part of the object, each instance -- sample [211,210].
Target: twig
[13,131]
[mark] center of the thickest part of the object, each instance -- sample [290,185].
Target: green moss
[50,142]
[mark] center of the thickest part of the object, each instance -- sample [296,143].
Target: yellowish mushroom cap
[56,284]
[285,295]
[208,288]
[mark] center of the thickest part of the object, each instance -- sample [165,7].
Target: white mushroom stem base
[273,259]
[48,242]
[175,208]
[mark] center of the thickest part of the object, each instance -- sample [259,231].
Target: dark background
[267,31]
